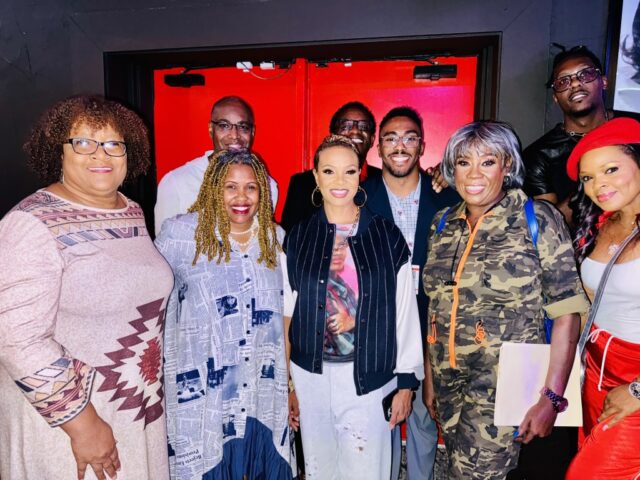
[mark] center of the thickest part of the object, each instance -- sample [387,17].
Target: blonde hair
[213,217]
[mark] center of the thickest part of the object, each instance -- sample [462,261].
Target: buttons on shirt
[320,306]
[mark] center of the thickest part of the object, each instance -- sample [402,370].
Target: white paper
[522,370]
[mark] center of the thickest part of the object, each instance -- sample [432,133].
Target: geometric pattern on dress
[59,391]
[139,358]
[71,224]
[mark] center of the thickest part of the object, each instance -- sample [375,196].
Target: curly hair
[213,220]
[52,130]
[631,53]
[588,217]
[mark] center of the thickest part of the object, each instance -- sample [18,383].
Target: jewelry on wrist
[292,387]
[634,389]
[560,404]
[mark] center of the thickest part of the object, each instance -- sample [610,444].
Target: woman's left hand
[294,411]
[618,404]
[400,406]
[538,421]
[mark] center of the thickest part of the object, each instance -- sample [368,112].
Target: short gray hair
[498,137]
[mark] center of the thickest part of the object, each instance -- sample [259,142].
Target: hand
[538,421]
[438,183]
[294,412]
[340,322]
[429,398]
[93,444]
[400,406]
[618,404]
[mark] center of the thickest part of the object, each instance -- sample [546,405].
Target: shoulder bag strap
[596,301]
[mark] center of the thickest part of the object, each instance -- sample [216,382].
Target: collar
[365,218]
[413,195]
[513,196]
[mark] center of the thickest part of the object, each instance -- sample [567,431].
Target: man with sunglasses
[404,194]
[231,128]
[353,120]
[578,89]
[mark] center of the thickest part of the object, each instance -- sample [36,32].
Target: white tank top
[619,311]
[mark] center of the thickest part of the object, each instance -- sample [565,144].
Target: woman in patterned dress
[225,362]
[82,298]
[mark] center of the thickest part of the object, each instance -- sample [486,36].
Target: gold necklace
[343,243]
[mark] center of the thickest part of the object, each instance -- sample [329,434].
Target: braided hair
[213,228]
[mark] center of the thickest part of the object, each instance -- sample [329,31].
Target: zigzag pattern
[132,396]
[70,224]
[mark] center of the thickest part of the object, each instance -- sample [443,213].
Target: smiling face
[400,160]
[337,176]
[580,99]
[362,139]
[611,179]
[241,196]
[479,175]
[231,113]
[93,179]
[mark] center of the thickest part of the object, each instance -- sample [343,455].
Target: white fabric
[409,358]
[179,188]
[619,309]
[344,436]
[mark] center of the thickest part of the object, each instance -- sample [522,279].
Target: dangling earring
[61,177]
[507,182]
[360,189]
[313,197]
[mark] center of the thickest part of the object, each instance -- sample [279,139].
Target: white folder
[522,370]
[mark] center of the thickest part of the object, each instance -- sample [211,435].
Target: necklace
[343,243]
[572,133]
[244,245]
[614,246]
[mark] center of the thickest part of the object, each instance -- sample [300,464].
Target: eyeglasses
[87,146]
[346,125]
[409,141]
[586,75]
[226,127]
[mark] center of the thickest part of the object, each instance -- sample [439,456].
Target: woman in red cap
[607,212]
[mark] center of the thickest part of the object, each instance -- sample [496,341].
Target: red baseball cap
[619,131]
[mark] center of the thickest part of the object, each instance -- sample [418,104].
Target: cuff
[407,380]
[576,304]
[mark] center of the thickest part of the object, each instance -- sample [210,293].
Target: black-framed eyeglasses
[87,146]
[409,141]
[346,125]
[226,127]
[586,75]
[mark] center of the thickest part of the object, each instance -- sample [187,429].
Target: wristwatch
[560,404]
[634,389]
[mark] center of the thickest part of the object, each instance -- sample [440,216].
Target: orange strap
[456,293]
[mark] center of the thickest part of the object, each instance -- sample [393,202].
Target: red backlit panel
[293,108]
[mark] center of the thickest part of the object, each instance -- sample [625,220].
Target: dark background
[50,49]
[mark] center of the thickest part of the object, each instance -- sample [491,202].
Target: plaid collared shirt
[405,212]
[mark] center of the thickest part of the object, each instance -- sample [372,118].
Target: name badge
[415,269]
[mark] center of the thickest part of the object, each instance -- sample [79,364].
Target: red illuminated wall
[293,109]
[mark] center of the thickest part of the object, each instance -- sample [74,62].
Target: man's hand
[294,412]
[618,404]
[538,421]
[93,444]
[429,398]
[438,183]
[400,407]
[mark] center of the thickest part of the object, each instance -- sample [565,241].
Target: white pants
[344,436]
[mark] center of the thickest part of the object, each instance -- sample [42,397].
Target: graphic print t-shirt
[342,302]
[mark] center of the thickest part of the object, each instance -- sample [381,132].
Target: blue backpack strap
[532,221]
[443,221]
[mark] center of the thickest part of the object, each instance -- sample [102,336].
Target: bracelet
[634,389]
[292,387]
[560,404]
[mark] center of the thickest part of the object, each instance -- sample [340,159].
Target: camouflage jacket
[501,281]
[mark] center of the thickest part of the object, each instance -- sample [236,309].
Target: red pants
[613,453]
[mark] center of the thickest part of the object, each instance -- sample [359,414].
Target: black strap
[600,290]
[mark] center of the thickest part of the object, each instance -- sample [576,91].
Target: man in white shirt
[231,128]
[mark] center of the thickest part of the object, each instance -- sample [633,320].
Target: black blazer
[430,203]
[297,205]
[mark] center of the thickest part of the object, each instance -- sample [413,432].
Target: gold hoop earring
[360,189]
[313,194]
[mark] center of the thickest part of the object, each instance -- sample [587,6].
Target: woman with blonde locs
[606,162]
[353,325]
[226,373]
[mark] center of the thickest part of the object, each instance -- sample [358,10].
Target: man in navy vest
[405,195]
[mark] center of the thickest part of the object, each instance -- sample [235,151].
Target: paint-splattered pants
[344,436]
